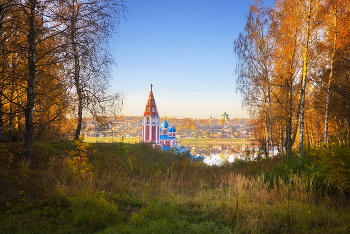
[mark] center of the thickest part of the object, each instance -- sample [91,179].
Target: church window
[147,120]
[153,119]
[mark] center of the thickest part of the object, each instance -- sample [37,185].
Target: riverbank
[182,141]
[130,140]
[214,141]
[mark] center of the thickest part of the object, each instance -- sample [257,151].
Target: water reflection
[218,154]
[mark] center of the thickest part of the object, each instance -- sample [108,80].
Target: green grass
[135,188]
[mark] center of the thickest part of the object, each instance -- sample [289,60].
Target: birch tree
[89,26]
[38,50]
[253,48]
[291,66]
[336,34]
[286,61]
[308,13]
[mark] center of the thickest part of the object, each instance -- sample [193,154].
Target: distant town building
[225,119]
[152,131]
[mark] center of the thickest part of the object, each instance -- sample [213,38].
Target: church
[154,132]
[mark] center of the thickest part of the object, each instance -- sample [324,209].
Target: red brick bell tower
[151,121]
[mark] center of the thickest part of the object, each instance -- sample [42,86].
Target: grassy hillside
[134,188]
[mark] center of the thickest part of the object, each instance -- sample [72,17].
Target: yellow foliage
[223,121]
[79,161]
[192,126]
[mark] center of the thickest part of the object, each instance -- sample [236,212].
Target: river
[218,154]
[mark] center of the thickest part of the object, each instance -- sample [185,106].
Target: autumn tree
[6,19]
[285,72]
[335,40]
[89,25]
[38,51]
[254,50]
[308,13]
[48,49]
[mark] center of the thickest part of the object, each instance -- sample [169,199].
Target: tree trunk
[303,82]
[1,64]
[289,138]
[347,123]
[28,113]
[266,136]
[302,109]
[330,78]
[328,97]
[80,113]
[10,125]
[270,121]
[77,83]
[1,118]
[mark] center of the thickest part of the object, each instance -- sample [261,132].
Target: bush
[336,164]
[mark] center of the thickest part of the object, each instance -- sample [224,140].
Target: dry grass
[162,192]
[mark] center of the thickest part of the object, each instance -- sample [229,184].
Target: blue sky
[185,49]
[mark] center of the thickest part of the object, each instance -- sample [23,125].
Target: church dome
[164,124]
[172,129]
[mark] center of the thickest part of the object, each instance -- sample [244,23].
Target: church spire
[151,107]
[151,121]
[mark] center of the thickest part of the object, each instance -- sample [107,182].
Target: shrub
[336,164]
